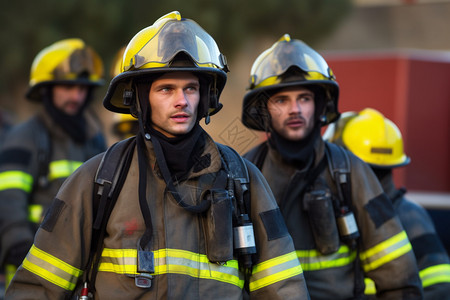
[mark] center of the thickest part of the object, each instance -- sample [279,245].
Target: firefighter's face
[292,112]
[69,98]
[174,99]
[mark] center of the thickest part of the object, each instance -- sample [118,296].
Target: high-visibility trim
[435,274]
[16,180]
[172,261]
[275,270]
[35,212]
[51,269]
[62,168]
[313,260]
[370,287]
[385,252]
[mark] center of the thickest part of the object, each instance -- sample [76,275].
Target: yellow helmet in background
[116,66]
[68,61]
[372,137]
[269,72]
[125,126]
[155,50]
[333,133]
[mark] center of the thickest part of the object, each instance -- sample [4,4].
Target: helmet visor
[284,54]
[179,36]
[81,63]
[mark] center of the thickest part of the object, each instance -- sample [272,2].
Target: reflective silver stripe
[385,252]
[172,261]
[312,260]
[62,168]
[51,268]
[435,274]
[275,270]
[16,180]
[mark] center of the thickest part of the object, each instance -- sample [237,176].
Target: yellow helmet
[333,133]
[116,66]
[269,72]
[125,125]
[372,137]
[154,50]
[68,61]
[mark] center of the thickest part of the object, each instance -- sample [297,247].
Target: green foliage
[29,26]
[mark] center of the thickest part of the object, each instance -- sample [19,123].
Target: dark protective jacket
[383,251]
[432,258]
[53,267]
[28,150]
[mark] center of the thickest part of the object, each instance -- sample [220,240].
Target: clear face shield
[284,54]
[175,37]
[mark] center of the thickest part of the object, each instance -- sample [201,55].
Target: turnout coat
[383,251]
[54,266]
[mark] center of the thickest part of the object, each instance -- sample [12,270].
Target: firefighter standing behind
[343,226]
[169,235]
[378,141]
[38,155]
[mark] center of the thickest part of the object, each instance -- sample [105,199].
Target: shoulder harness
[111,174]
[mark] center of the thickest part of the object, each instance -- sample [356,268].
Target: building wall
[412,89]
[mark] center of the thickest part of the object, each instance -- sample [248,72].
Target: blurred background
[392,55]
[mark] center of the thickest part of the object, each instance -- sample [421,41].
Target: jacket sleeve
[432,258]
[54,265]
[385,251]
[18,172]
[276,272]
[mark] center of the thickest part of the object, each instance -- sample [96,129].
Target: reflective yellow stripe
[275,270]
[431,275]
[313,260]
[172,261]
[51,269]
[62,168]
[435,274]
[370,287]
[35,213]
[385,252]
[16,180]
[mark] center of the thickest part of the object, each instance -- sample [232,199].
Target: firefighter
[169,233]
[343,226]
[378,141]
[39,154]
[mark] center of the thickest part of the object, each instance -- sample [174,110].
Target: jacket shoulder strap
[239,174]
[235,163]
[240,177]
[339,166]
[109,179]
[107,174]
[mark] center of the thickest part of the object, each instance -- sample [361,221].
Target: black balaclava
[180,152]
[300,153]
[73,125]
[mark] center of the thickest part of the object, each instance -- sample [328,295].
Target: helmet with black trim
[69,61]
[156,50]
[289,62]
[371,136]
